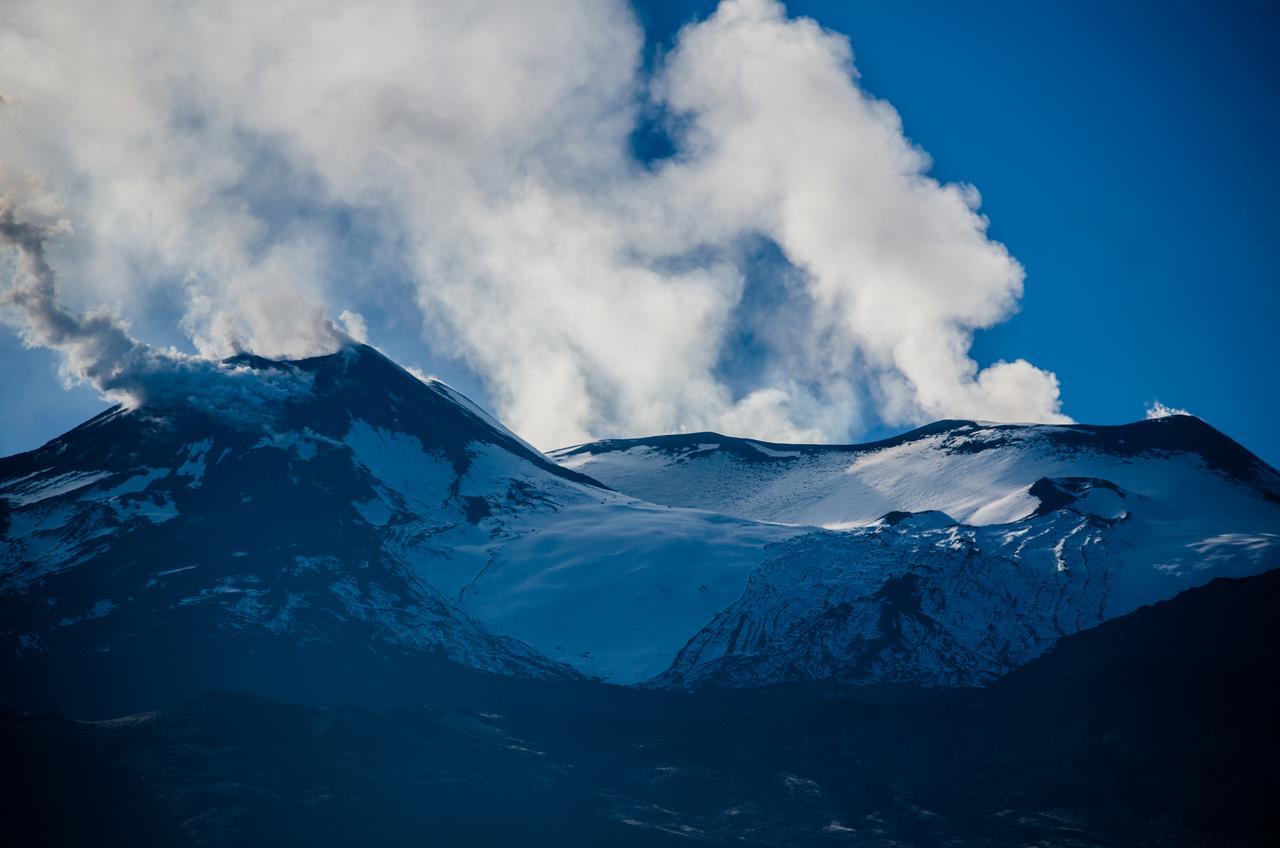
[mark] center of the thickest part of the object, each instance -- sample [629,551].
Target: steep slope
[189,538]
[359,517]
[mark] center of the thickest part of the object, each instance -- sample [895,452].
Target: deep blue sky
[1125,153]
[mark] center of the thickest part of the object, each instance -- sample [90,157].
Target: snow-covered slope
[919,599]
[368,508]
[976,473]
[370,515]
[956,552]
[163,526]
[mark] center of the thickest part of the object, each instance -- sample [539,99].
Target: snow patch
[139,482]
[1229,547]
[156,508]
[31,491]
[399,461]
[776,454]
[303,444]
[169,571]
[194,466]
[374,511]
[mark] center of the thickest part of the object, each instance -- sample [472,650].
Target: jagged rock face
[918,601]
[371,517]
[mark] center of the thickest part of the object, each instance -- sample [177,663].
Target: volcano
[362,534]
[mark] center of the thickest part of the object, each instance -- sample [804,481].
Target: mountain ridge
[741,475]
[344,505]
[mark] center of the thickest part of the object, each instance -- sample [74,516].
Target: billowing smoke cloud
[263,166]
[98,348]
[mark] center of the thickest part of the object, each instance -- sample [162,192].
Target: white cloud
[217,156]
[355,325]
[97,347]
[1156,409]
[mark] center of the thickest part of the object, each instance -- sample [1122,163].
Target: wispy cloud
[268,165]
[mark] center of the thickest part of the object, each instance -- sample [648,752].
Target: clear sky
[1125,155]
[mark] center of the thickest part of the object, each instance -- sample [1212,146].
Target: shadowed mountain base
[1153,729]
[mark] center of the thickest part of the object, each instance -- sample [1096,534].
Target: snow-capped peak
[365,509]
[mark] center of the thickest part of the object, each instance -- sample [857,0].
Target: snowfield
[978,474]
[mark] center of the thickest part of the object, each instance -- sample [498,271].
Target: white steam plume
[1158,410]
[97,347]
[266,165]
